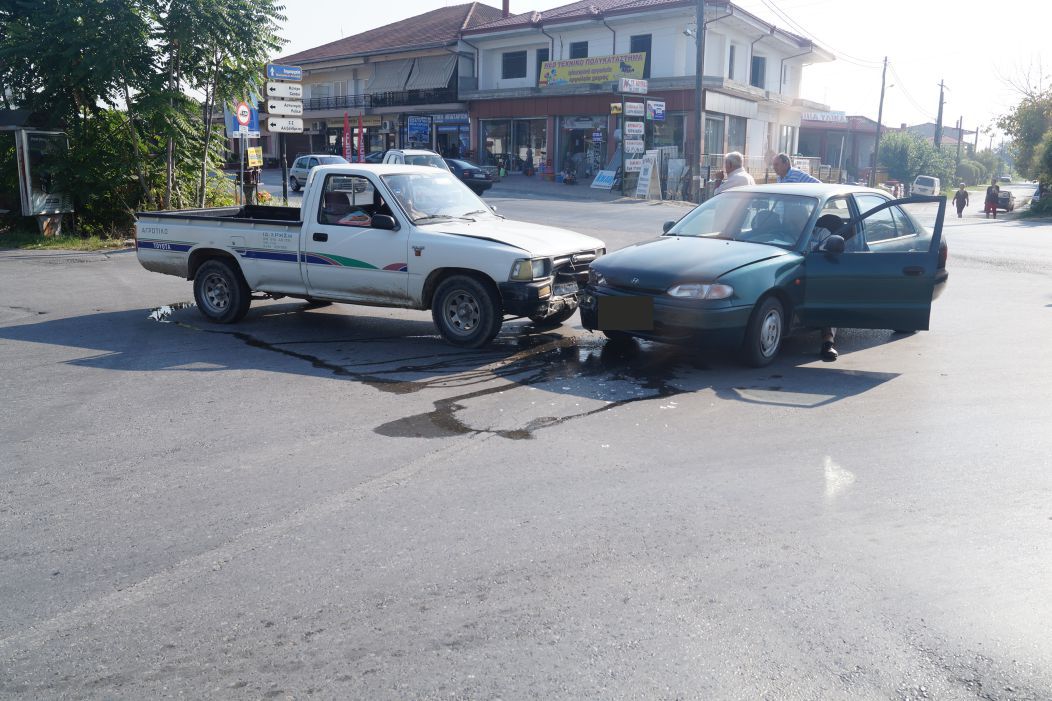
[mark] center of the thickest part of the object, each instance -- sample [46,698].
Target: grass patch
[29,239]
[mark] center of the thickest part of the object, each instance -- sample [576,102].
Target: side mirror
[385,222]
[833,244]
[494,208]
[667,225]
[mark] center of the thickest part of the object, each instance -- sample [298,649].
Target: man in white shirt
[732,175]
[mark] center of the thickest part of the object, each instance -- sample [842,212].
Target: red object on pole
[346,136]
[361,141]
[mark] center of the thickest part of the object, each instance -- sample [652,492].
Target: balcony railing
[383,99]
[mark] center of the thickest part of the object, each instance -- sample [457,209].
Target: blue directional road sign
[279,72]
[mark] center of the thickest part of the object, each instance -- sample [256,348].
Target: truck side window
[347,200]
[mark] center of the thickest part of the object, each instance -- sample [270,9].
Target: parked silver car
[303,165]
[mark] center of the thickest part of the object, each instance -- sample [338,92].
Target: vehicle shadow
[571,373]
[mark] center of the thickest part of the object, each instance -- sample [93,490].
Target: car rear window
[331,160]
[926,182]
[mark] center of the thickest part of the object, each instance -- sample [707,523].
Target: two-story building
[545,83]
[401,79]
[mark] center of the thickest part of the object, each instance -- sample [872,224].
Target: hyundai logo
[635,281]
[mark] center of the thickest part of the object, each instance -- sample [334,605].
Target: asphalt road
[333,503]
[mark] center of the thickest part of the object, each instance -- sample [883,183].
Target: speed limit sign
[244,114]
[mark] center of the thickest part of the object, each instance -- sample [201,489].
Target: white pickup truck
[378,235]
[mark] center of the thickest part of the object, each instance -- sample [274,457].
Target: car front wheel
[294,184]
[763,337]
[467,312]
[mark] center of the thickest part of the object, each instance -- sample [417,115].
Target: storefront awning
[389,76]
[431,72]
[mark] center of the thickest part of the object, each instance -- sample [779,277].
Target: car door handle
[913,270]
[321,237]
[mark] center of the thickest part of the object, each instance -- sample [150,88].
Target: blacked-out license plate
[626,314]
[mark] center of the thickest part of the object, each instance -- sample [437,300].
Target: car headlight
[699,291]
[595,277]
[527,269]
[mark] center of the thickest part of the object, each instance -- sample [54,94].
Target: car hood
[660,263]
[537,240]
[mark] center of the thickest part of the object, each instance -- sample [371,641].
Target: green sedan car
[752,264]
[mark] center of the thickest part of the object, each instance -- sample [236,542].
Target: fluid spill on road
[593,371]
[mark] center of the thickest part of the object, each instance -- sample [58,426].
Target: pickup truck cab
[379,235]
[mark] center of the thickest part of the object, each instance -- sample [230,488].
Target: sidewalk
[536,187]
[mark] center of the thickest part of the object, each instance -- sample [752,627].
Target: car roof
[414,151]
[379,168]
[809,189]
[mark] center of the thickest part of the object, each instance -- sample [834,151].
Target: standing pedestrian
[783,166]
[960,200]
[993,193]
[733,174]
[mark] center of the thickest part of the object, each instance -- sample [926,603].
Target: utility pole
[938,122]
[960,138]
[699,104]
[880,119]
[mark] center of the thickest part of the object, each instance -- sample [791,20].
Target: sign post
[243,115]
[285,95]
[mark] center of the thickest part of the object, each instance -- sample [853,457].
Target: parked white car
[379,235]
[926,185]
[303,165]
[415,157]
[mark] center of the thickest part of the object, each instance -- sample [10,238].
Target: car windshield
[926,182]
[755,217]
[432,197]
[331,160]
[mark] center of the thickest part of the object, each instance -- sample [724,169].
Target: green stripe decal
[345,262]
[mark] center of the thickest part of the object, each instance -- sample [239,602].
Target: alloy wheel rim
[217,293]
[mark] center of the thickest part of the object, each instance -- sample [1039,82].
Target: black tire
[467,312]
[765,333]
[294,184]
[221,292]
[618,336]
[556,319]
[316,303]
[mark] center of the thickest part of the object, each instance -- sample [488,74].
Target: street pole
[960,137]
[938,121]
[284,172]
[699,101]
[241,185]
[880,119]
[624,170]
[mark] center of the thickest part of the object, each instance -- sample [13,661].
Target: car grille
[573,267]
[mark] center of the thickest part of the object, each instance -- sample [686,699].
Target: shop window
[542,57]
[579,49]
[730,63]
[495,143]
[640,43]
[513,65]
[736,134]
[758,79]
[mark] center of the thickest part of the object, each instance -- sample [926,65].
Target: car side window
[349,200]
[298,163]
[835,213]
[903,224]
[880,226]
[312,163]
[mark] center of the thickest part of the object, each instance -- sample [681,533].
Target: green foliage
[1028,124]
[971,172]
[907,155]
[117,76]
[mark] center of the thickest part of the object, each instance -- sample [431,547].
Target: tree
[907,155]
[1028,124]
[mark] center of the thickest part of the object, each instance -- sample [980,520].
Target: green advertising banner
[594,69]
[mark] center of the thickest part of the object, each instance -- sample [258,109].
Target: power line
[902,85]
[862,62]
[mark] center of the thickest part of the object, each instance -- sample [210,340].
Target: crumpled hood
[536,239]
[660,263]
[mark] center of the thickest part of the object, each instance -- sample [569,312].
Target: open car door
[888,286]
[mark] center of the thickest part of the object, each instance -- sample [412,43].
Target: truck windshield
[434,197]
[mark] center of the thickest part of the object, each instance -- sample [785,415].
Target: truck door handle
[321,237]
[913,270]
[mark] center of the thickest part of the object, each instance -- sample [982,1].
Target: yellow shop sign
[594,69]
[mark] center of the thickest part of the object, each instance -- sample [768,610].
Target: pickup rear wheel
[294,184]
[467,312]
[221,292]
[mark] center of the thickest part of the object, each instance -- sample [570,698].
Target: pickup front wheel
[221,292]
[466,311]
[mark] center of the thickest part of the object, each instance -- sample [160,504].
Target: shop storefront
[452,134]
[582,145]
[518,145]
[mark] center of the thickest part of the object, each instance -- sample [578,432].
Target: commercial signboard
[634,146]
[634,109]
[594,69]
[634,129]
[418,129]
[255,156]
[633,165]
[635,86]
[838,117]
[604,179]
[656,110]
[40,154]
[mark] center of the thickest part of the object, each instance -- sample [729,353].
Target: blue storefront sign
[418,129]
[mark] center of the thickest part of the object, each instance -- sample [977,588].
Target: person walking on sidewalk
[993,193]
[960,200]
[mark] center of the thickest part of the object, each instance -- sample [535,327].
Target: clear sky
[975,46]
